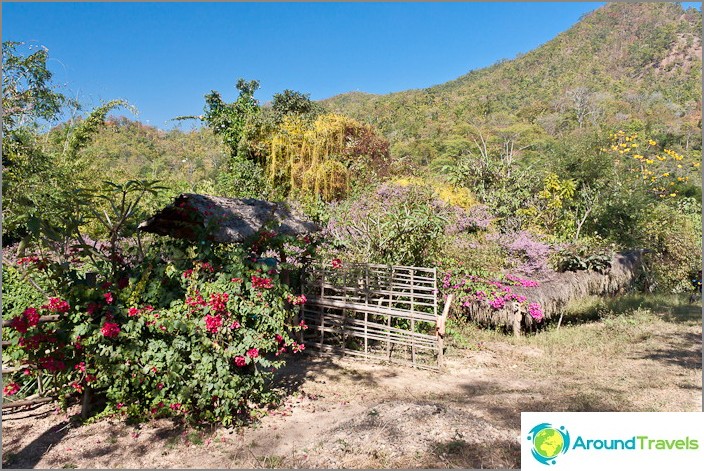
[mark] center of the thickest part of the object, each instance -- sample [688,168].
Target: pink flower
[235,325]
[253,352]
[240,361]
[336,263]
[11,389]
[297,300]
[108,298]
[213,323]
[236,280]
[497,303]
[133,311]
[535,311]
[81,367]
[175,406]
[110,330]
[119,405]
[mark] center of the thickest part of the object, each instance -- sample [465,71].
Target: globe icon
[548,443]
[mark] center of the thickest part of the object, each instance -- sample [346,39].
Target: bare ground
[343,413]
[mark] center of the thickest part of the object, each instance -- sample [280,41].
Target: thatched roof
[224,220]
[554,293]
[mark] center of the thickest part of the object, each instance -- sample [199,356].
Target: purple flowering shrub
[525,253]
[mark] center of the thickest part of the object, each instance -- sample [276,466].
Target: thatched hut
[224,220]
[554,293]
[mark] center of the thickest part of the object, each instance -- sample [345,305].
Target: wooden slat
[42,319]
[13,369]
[25,402]
[401,314]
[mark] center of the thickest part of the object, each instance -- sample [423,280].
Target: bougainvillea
[496,293]
[203,346]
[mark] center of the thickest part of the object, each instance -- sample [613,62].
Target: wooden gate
[378,312]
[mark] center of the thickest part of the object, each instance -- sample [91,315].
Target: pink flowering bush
[496,292]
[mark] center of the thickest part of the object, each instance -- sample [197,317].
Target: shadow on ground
[28,457]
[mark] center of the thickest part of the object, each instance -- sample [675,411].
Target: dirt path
[344,413]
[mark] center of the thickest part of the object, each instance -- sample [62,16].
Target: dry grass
[633,353]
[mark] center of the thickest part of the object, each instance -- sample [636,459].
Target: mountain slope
[620,63]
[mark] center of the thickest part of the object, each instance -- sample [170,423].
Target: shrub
[195,331]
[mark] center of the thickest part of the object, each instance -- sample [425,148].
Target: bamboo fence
[378,312]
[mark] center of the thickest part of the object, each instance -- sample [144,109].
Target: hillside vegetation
[625,64]
[501,179]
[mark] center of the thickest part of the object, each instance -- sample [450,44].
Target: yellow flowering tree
[659,170]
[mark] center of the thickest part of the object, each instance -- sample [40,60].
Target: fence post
[441,328]
[517,319]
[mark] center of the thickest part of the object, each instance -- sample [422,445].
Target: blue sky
[164,57]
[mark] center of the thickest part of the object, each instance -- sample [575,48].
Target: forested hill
[620,64]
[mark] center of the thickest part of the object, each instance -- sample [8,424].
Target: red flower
[263,283]
[279,338]
[51,364]
[110,330]
[240,361]
[108,298]
[235,325]
[91,308]
[57,305]
[90,378]
[218,301]
[297,300]
[133,311]
[11,389]
[213,323]
[77,386]
[20,324]
[81,367]
[32,316]
[123,283]
[160,386]
[303,325]
[175,406]
[336,263]
[188,273]
[253,353]
[236,280]
[197,301]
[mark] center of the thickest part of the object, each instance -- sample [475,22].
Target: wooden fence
[380,312]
